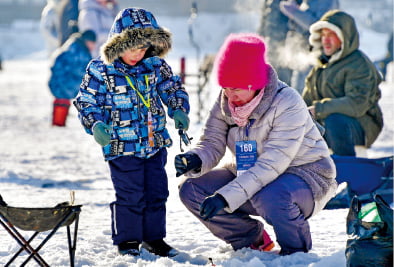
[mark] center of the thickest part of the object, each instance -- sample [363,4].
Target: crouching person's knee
[186,191]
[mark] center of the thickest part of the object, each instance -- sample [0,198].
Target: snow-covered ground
[41,164]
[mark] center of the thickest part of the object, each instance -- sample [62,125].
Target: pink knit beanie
[240,62]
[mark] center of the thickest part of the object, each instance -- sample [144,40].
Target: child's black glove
[186,162]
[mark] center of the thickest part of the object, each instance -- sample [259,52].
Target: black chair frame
[71,215]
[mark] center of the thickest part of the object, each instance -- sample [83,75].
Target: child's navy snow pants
[285,204]
[141,188]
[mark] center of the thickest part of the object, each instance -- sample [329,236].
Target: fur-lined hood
[133,28]
[345,28]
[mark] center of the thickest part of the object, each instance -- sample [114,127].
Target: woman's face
[133,56]
[239,97]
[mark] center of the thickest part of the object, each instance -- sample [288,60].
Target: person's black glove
[186,162]
[211,206]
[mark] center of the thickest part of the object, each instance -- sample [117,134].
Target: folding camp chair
[39,220]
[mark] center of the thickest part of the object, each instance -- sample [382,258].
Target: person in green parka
[342,90]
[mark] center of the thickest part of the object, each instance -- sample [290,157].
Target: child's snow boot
[129,248]
[160,248]
[266,243]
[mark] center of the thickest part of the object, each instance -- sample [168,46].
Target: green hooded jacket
[348,83]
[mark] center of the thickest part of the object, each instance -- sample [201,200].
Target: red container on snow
[60,111]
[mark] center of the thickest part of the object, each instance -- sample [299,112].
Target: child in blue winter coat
[67,70]
[121,102]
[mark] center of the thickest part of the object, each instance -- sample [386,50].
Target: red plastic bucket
[60,111]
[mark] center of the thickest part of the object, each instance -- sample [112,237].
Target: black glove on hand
[211,206]
[186,162]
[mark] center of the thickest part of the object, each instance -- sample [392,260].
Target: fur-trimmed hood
[345,28]
[133,28]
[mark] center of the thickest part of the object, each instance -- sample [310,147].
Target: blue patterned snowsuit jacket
[105,95]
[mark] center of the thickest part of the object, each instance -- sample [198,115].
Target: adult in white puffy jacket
[98,16]
[49,26]
[282,170]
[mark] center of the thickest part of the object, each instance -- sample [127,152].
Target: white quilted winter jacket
[286,136]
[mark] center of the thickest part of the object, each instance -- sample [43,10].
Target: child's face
[90,45]
[133,56]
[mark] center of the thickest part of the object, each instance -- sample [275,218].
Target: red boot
[266,245]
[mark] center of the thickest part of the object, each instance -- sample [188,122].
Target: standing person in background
[382,64]
[67,70]
[49,26]
[274,27]
[342,90]
[121,103]
[68,19]
[97,15]
[301,15]
[281,169]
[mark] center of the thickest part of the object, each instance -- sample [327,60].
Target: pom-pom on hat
[240,62]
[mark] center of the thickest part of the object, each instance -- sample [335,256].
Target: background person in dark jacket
[67,71]
[301,15]
[342,89]
[382,64]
